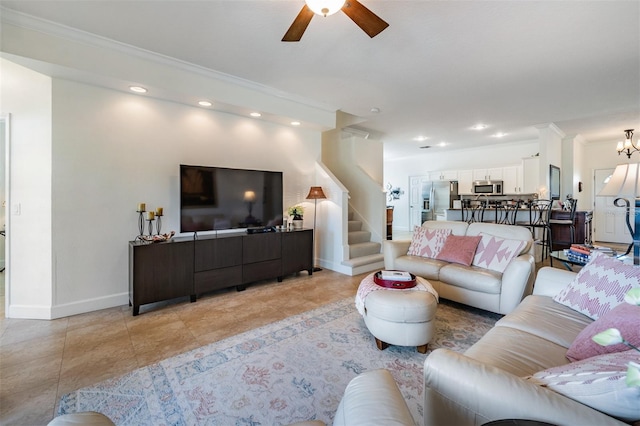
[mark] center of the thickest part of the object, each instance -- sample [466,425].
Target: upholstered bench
[402,317]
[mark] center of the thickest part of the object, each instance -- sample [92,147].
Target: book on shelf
[395,275]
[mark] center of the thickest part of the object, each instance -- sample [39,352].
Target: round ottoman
[401,317]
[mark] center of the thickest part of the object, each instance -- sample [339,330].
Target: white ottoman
[401,317]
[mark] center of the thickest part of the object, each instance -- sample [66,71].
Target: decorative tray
[157,238]
[377,278]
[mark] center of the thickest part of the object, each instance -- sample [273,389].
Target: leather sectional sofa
[471,285]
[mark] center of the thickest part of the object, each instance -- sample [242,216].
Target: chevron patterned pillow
[599,286]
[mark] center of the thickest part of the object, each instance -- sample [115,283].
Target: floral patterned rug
[292,370]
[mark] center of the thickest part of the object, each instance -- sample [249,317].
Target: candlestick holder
[159,222]
[150,226]
[140,222]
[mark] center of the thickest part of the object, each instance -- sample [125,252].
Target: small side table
[568,263]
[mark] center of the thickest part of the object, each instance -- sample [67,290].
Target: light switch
[17,209]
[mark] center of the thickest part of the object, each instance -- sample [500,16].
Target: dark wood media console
[185,266]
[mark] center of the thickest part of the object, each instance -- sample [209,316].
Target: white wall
[27,96]
[111,151]
[397,172]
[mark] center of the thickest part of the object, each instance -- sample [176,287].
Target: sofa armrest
[550,281]
[373,399]
[462,391]
[517,282]
[393,249]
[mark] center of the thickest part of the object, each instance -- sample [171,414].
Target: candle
[159,211]
[150,216]
[142,207]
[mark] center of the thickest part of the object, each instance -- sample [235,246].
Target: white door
[609,221]
[415,201]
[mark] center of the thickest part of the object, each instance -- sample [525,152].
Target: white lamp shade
[249,196]
[624,182]
[325,7]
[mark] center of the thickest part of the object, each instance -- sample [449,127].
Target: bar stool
[567,222]
[539,214]
[473,214]
[506,214]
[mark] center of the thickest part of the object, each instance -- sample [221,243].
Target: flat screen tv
[217,198]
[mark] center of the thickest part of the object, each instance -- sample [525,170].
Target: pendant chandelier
[628,147]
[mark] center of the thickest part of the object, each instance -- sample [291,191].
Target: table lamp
[315,193]
[625,184]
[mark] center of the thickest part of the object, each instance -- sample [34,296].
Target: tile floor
[42,360]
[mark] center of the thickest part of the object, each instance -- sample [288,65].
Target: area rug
[292,370]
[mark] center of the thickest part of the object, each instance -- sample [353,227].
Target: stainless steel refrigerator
[437,196]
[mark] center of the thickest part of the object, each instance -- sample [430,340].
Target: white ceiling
[438,69]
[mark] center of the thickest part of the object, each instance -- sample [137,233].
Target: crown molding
[30,22]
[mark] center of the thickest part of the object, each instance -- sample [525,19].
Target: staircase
[364,254]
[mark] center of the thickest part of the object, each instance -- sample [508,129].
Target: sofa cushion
[495,253]
[599,286]
[541,316]
[517,351]
[421,266]
[427,242]
[471,278]
[459,249]
[624,317]
[598,382]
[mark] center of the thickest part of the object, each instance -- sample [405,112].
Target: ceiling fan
[368,21]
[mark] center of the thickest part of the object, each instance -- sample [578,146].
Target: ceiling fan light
[325,7]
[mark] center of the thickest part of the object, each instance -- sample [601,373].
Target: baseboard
[89,305]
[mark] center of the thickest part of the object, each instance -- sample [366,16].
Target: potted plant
[296,212]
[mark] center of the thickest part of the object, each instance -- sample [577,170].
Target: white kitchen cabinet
[488,174]
[465,182]
[512,180]
[444,175]
[530,175]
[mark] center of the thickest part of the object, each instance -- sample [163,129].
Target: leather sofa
[471,285]
[488,382]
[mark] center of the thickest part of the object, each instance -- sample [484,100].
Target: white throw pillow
[599,286]
[495,253]
[427,242]
[598,382]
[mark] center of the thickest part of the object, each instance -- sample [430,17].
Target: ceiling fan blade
[295,31]
[370,23]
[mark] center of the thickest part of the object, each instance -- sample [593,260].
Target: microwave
[488,187]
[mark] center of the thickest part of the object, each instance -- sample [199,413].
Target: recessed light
[499,135]
[138,89]
[255,114]
[375,110]
[479,126]
[205,103]
[443,143]
[295,123]
[420,138]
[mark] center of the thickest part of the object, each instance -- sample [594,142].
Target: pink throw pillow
[625,317]
[495,253]
[427,242]
[459,249]
[599,286]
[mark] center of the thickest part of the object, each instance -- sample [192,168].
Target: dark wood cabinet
[218,264]
[187,267]
[297,252]
[561,234]
[160,272]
